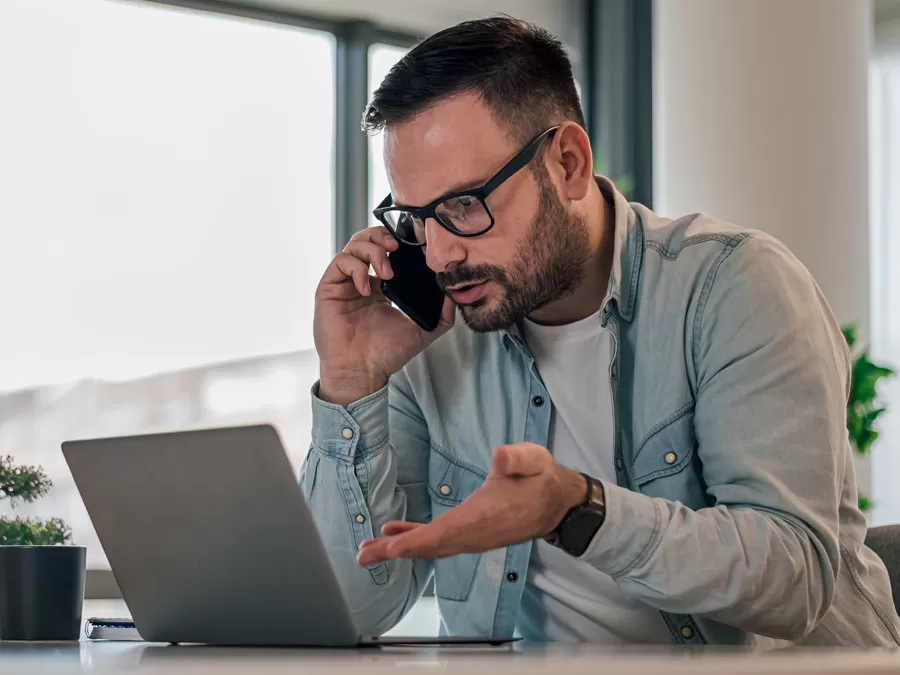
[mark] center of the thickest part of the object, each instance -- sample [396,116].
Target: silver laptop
[211,540]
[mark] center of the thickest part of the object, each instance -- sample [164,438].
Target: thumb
[521,459]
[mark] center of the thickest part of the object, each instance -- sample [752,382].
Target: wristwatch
[578,527]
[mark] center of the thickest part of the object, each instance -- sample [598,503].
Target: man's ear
[572,160]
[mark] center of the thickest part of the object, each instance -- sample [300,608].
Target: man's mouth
[464,294]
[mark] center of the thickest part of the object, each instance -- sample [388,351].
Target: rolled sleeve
[630,532]
[352,432]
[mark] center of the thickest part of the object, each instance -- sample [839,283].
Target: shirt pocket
[450,482]
[667,464]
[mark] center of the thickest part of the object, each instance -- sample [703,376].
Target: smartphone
[413,287]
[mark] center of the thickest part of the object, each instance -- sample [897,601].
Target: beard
[548,265]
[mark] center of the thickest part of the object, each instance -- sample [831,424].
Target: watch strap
[589,505]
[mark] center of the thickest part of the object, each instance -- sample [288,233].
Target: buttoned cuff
[629,534]
[352,432]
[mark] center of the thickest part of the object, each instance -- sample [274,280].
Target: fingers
[420,541]
[371,254]
[375,550]
[398,527]
[372,245]
[372,552]
[345,266]
[368,247]
[521,459]
[377,235]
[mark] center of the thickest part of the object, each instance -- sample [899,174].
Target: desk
[156,659]
[519,659]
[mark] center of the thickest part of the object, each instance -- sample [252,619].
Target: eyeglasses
[465,213]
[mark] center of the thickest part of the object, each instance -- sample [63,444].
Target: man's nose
[443,249]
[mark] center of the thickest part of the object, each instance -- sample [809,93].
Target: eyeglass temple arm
[517,162]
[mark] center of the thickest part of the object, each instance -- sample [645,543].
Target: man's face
[536,251]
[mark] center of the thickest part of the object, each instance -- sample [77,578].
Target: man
[636,434]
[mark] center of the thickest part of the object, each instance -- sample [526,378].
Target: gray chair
[885,541]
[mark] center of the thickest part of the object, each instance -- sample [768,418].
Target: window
[381,58]
[167,212]
[885,252]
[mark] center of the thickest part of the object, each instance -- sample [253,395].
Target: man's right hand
[360,337]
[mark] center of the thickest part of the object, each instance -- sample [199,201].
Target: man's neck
[588,297]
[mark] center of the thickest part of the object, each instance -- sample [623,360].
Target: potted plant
[862,405]
[41,573]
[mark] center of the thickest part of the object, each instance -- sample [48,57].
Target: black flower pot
[41,592]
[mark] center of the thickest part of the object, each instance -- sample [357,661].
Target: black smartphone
[413,287]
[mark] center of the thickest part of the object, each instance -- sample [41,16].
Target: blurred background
[175,176]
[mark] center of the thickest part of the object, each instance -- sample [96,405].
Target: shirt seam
[854,576]
[673,253]
[707,289]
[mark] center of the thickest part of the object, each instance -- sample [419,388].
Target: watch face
[576,533]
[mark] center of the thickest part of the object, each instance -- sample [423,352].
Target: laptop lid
[210,538]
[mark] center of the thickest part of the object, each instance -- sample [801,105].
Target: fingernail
[386,269]
[367,287]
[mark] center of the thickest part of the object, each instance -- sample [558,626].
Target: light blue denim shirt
[735,506]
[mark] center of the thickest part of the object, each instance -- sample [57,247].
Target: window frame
[353,38]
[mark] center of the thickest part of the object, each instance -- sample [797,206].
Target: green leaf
[865,440]
[27,483]
[850,334]
[872,415]
[865,504]
[862,407]
[33,532]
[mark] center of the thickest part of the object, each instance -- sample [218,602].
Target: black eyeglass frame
[513,166]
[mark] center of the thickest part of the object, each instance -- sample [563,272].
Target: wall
[760,118]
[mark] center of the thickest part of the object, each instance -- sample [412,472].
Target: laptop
[211,541]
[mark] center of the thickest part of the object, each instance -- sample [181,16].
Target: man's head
[455,110]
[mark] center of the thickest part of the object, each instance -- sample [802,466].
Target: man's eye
[462,203]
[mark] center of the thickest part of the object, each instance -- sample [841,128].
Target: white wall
[760,115]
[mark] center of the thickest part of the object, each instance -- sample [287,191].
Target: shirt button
[687,632]
[360,518]
[445,490]
[347,433]
[538,400]
[512,576]
[670,457]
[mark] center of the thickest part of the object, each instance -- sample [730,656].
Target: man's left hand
[525,496]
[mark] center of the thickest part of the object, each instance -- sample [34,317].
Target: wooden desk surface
[518,659]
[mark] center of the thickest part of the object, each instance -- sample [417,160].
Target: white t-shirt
[567,600]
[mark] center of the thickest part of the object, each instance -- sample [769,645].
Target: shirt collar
[628,248]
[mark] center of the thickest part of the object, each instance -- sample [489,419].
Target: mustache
[470,274]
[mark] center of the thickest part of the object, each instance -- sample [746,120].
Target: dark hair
[521,72]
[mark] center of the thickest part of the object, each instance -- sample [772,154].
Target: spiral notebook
[124,630]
